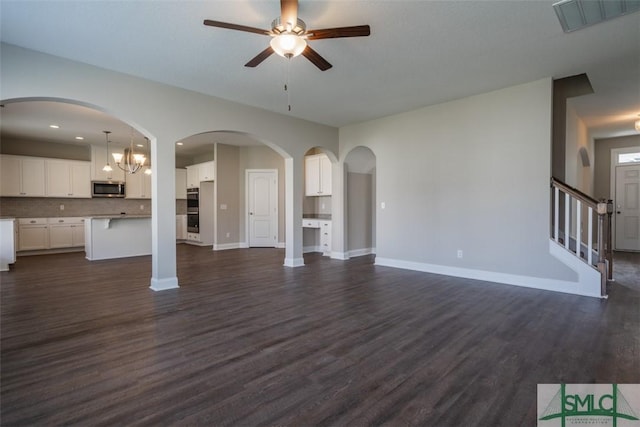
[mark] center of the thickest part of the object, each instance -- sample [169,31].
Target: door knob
[250,213]
[618,212]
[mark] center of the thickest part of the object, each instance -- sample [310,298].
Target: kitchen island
[7,243]
[117,236]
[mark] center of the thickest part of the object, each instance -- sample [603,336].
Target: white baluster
[578,227]
[567,220]
[556,213]
[590,237]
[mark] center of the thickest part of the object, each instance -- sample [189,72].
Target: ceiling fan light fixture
[288,45]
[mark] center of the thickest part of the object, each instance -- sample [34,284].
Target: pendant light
[132,161]
[107,167]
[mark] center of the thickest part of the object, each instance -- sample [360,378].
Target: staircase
[581,236]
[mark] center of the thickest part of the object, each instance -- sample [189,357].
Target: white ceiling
[419,53]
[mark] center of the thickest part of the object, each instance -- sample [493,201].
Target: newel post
[602,262]
[610,238]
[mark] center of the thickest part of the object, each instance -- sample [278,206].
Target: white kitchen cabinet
[200,172]
[33,234]
[317,172]
[181,227]
[22,176]
[206,171]
[7,243]
[98,160]
[193,237]
[181,184]
[138,185]
[193,176]
[68,178]
[325,237]
[66,232]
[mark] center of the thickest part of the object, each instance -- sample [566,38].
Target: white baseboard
[361,252]
[281,245]
[340,255]
[244,245]
[293,262]
[164,284]
[489,276]
[307,249]
[226,246]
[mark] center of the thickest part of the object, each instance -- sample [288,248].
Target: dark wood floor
[248,342]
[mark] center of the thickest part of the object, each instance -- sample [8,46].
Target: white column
[294,188]
[163,216]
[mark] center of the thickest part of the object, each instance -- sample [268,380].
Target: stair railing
[568,233]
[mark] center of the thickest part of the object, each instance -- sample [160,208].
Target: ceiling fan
[289,36]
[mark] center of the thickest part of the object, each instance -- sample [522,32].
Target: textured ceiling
[419,53]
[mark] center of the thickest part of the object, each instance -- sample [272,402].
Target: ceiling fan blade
[289,13]
[333,33]
[259,57]
[316,59]
[235,27]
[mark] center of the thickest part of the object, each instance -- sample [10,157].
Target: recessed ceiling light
[139,145]
[179,143]
[54,126]
[80,138]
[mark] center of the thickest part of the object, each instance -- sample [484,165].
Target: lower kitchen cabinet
[33,234]
[181,227]
[50,233]
[325,237]
[66,232]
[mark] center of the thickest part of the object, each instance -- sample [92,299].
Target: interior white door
[627,208]
[262,208]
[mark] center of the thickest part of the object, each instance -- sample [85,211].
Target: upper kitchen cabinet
[138,185]
[22,176]
[317,171]
[181,183]
[206,171]
[98,160]
[68,178]
[200,172]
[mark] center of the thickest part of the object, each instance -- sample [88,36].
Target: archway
[360,208]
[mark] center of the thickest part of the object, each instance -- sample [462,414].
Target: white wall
[471,174]
[166,114]
[576,174]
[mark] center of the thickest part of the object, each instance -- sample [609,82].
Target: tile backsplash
[47,207]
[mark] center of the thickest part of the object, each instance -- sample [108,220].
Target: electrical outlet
[141,207]
[228,234]
[383,205]
[322,206]
[459,253]
[61,207]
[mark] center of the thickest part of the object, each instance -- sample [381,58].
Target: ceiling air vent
[577,14]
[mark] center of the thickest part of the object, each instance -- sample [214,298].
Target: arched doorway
[360,208]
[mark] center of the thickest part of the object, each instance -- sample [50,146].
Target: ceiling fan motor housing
[277,27]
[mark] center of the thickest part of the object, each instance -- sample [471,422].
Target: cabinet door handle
[61,220]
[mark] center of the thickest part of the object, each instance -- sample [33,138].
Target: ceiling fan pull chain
[286,85]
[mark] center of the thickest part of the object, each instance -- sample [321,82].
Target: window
[628,158]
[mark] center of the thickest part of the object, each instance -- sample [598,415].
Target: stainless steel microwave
[107,189]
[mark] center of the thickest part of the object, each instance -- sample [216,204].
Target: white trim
[361,252]
[307,249]
[293,262]
[226,246]
[243,245]
[280,245]
[612,184]
[164,284]
[340,255]
[577,288]
[246,202]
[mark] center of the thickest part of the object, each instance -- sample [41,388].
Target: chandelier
[130,162]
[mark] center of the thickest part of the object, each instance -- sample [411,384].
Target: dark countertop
[326,217]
